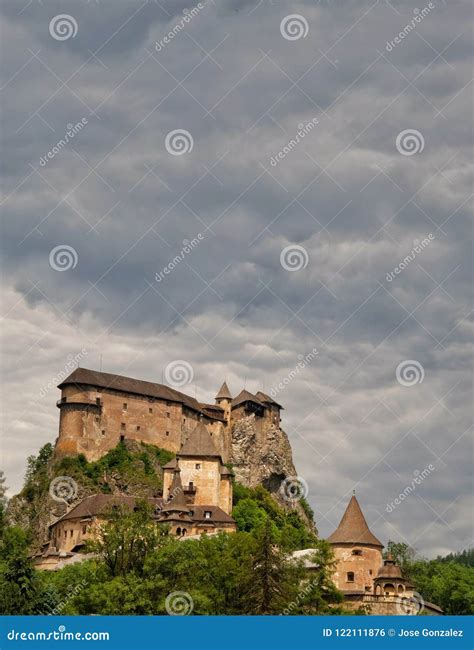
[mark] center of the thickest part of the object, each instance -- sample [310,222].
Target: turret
[224,400]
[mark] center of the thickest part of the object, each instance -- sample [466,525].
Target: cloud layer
[255,181]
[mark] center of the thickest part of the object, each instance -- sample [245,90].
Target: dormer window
[207,514]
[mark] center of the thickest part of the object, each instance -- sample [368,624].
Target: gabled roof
[353,528]
[98,503]
[245,396]
[224,392]
[129,385]
[266,399]
[199,443]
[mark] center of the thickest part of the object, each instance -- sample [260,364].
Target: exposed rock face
[261,455]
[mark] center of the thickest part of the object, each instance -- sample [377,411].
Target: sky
[273,193]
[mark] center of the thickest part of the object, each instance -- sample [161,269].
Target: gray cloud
[344,193]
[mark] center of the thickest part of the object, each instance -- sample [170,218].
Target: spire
[353,528]
[224,392]
[199,444]
[176,500]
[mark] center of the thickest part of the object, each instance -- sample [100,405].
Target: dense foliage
[447,581]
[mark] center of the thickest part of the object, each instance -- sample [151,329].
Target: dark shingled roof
[199,443]
[266,399]
[129,385]
[99,503]
[171,465]
[224,392]
[353,528]
[390,569]
[217,514]
[245,396]
[176,501]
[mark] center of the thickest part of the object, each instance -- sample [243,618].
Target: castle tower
[203,470]
[224,400]
[390,582]
[175,511]
[358,552]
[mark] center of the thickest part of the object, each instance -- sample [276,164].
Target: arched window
[401,589]
[350,576]
[178,531]
[184,531]
[389,588]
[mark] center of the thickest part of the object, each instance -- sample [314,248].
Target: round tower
[224,400]
[358,552]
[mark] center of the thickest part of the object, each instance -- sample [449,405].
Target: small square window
[138,427]
[168,415]
[197,466]
[103,432]
[125,406]
[150,410]
[167,433]
[357,551]
[350,576]
[122,426]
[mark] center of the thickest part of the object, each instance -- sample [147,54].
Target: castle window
[99,390]
[70,533]
[357,551]
[138,427]
[65,534]
[207,514]
[84,530]
[97,418]
[350,576]
[103,432]
[167,415]
[184,531]
[197,466]
[370,572]
[150,410]
[167,433]
[178,531]
[122,438]
[97,401]
[125,406]
[122,426]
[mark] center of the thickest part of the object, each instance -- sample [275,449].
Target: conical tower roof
[176,500]
[353,528]
[224,392]
[199,443]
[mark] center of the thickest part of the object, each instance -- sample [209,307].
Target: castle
[98,410]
